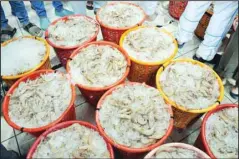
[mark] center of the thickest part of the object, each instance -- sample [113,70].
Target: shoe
[89,5]
[180,45]
[33,29]
[202,60]
[7,33]
[63,12]
[234,95]
[44,23]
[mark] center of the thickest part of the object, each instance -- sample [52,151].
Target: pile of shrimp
[72,31]
[120,15]
[222,133]
[138,116]
[98,66]
[38,102]
[190,85]
[149,45]
[75,141]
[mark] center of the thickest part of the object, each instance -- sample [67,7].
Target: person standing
[18,10]
[39,7]
[220,22]
[228,65]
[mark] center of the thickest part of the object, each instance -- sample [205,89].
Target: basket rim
[45,58]
[203,127]
[41,128]
[180,145]
[182,108]
[75,46]
[124,28]
[122,147]
[63,125]
[145,62]
[121,50]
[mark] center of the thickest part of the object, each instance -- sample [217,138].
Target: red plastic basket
[201,141]
[61,126]
[64,52]
[176,8]
[68,114]
[200,153]
[111,33]
[93,94]
[130,153]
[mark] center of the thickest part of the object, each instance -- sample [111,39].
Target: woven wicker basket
[141,71]
[45,64]
[113,34]
[68,114]
[128,152]
[183,116]
[201,141]
[64,52]
[62,126]
[176,8]
[202,25]
[93,94]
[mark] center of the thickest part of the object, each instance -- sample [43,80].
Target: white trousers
[220,23]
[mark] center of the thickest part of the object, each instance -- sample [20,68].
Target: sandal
[89,5]
[33,29]
[234,93]
[7,34]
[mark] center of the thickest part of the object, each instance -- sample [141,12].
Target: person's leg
[57,5]
[190,19]
[4,21]
[19,10]
[78,7]
[223,16]
[228,62]
[59,10]
[97,5]
[39,7]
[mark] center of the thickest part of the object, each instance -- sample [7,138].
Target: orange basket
[127,152]
[45,64]
[64,52]
[93,94]
[202,25]
[113,34]
[183,116]
[59,127]
[201,141]
[200,153]
[68,114]
[141,71]
[176,8]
